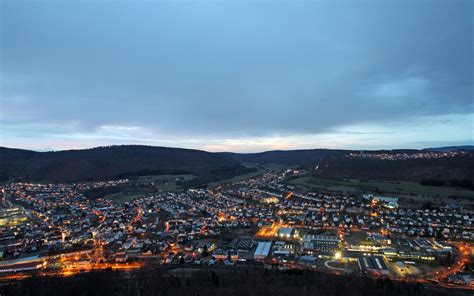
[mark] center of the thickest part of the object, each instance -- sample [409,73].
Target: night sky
[238,76]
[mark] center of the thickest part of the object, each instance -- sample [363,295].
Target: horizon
[254,152]
[237,76]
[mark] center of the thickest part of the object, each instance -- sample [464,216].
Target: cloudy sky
[237,75]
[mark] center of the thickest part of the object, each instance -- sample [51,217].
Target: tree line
[248,281]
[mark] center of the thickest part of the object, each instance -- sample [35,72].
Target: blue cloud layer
[232,69]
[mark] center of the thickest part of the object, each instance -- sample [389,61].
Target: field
[122,197]
[165,182]
[406,190]
[146,185]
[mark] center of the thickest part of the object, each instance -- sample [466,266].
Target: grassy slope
[397,188]
[163,183]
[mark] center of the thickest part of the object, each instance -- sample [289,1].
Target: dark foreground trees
[237,281]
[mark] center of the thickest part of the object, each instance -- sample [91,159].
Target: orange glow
[174,248]
[271,230]
[15,277]
[221,217]
[75,269]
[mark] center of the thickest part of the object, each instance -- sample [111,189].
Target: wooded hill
[111,162]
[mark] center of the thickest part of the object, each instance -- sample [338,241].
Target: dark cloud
[231,68]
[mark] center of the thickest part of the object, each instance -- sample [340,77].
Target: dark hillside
[336,164]
[109,162]
[126,161]
[415,170]
[308,157]
[451,148]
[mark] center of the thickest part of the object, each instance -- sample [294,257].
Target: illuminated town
[406,155]
[236,148]
[55,230]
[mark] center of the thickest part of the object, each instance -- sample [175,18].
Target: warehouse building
[320,244]
[287,232]
[262,251]
[372,264]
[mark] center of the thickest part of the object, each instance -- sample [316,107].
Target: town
[262,221]
[411,155]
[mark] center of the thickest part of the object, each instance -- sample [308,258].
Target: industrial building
[287,232]
[320,244]
[262,251]
[372,264]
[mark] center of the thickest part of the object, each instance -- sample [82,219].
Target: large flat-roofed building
[320,244]
[287,232]
[372,264]
[281,248]
[262,251]
[307,260]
